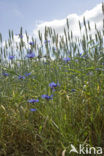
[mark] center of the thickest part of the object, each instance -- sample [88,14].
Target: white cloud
[93,16]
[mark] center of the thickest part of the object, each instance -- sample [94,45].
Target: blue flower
[33,100]
[11,57]
[21,77]
[54,49]
[103,63]
[73,90]
[21,36]
[99,69]
[47,97]
[30,55]
[27,74]
[47,41]
[67,59]
[33,110]
[76,60]
[31,43]
[80,54]
[53,85]
[5,74]
[84,56]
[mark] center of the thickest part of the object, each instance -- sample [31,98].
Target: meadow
[51,93]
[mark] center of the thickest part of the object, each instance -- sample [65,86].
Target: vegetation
[51,92]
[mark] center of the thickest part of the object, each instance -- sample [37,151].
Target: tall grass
[74,114]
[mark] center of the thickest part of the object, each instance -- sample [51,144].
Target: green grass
[75,115]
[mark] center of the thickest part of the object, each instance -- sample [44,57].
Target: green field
[52,94]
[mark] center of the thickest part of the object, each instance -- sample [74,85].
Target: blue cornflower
[99,69]
[54,49]
[21,77]
[33,110]
[5,74]
[31,43]
[54,85]
[47,97]
[80,54]
[20,36]
[33,100]
[27,74]
[84,56]
[76,60]
[11,57]
[47,41]
[67,59]
[30,55]
[73,90]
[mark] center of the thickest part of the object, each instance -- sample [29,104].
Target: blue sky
[26,13]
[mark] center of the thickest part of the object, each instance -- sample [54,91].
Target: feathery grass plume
[40,35]
[27,37]
[12,34]
[103,16]
[80,25]
[89,27]
[0,37]
[67,23]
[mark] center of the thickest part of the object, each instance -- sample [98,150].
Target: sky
[29,13]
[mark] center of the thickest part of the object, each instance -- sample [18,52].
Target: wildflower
[103,63]
[84,56]
[99,69]
[76,60]
[53,85]
[21,77]
[31,43]
[80,54]
[33,100]
[11,57]
[27,74]
[47,41]
[47,97]
[54,49]
[33,110]
[73,90]
[20,36]
[30,55]
[67,59]
[5,74]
